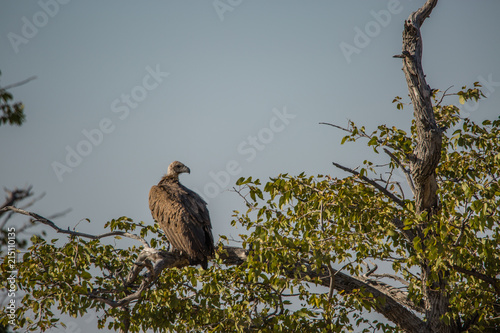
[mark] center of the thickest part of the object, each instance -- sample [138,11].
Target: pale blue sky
[227,72]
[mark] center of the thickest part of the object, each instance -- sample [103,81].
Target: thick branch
[162,260]
[424,12]
[408,233]
[126,320]
[495,283]
[391,303]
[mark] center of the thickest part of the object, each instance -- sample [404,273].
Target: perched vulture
[183,216]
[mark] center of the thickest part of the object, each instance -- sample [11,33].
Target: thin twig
[32,202]
[444,95]
[337,126]
[373,183]
[249,205]
[15,196]
[60,214]
[405,171]
[17,84]
[370,270]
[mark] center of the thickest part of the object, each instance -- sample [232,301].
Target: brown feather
[184,218]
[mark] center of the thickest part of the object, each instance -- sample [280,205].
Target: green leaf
[461,99]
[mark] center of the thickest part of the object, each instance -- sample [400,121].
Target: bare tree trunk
[424,160]
[427,153]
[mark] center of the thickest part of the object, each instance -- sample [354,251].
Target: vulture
[183,216]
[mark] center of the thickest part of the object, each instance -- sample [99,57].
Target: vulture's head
[176,168]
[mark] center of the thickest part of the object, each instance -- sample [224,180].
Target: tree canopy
[319,252]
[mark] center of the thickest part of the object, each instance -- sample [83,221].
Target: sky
[231,88]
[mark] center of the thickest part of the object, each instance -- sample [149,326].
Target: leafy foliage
[12,113]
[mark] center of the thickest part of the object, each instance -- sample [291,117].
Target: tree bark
[424,161]
[392,303]
[427,151]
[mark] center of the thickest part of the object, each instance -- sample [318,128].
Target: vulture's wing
[198,212]
[184,218]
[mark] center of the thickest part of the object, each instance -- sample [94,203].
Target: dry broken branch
[15,196]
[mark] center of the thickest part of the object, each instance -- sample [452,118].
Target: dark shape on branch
[183,216]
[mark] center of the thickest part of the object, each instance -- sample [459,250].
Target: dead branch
[15,196]
[391,276]
[337,126]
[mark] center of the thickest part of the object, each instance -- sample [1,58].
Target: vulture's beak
[186,169]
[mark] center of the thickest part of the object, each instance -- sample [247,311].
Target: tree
[12,113]
[14,236]
[311,258]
